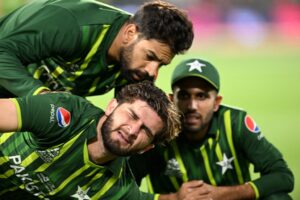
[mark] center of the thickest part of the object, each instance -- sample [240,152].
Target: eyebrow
[156,57]
[147,130]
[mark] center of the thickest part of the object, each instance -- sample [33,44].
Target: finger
[192,184]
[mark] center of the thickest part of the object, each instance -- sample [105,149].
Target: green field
[264,81]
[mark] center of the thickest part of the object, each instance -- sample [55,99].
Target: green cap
[197,68]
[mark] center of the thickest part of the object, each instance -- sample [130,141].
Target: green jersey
[52,161]
[222,159]
[61,45]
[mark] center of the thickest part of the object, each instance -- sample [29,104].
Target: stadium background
[256,47]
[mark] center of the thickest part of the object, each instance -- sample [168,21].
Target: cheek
[182,106]
[141,143]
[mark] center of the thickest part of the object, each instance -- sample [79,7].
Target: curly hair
[159,102]
[166,23]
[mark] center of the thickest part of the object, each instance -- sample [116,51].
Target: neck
[196,136]
[96,149]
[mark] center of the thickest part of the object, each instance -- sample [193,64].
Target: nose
[152,69]
[192,104]
[134,128]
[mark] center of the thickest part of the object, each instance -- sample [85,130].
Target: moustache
[191,114]
[137,76]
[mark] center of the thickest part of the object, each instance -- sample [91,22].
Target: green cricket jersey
[61,45]
[232,143]
[52,162]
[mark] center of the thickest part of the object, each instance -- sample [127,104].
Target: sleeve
[30,36]
[53,117]
[275,176]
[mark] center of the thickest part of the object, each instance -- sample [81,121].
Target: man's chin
[192,128]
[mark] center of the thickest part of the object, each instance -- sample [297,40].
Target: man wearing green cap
[210,158]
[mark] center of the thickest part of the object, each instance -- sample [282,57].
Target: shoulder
[90,11]
[230,110]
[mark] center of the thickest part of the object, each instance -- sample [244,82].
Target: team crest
[173,169]
[63,117]
[251,125]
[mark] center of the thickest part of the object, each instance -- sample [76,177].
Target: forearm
[171,196]
[280,181]
[8,116]
[14,76]
[239,192]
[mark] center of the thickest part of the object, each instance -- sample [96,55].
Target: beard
[126,71]
[111,145]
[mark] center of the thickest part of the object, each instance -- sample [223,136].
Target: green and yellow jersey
[60,45]
[51,160]
[222,159]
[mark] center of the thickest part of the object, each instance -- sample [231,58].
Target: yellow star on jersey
[196,65]
[81,194]
[225,163]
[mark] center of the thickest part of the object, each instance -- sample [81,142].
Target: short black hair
[166,23]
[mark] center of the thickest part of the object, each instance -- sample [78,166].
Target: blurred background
[256,47]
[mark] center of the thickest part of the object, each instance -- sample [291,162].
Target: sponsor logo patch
[63,117]
[251,125]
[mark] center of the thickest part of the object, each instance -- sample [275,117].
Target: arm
[8,116]
[200,190]
[29,36]
[275,177]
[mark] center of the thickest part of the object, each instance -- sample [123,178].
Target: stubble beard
[111,145]
[125,62]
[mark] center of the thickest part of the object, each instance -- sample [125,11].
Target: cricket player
[66,148]
[87,47]
[211,157]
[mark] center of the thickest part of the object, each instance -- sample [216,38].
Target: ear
[217,102]
[147,148]
[111,106]
[171,97]
[130,33]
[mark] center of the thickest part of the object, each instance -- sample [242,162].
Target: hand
[190,190]
[204,191]
[199,190]
[187,191]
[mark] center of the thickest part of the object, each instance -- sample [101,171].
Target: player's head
[195,85]
[141,115]
[155,34]
[166,23]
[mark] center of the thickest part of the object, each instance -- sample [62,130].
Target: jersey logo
[225,163]
[251,125]
[173,169]
[63,117]
[81,194]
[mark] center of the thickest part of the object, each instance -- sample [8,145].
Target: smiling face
[130,128]
[197,100]
[142,58]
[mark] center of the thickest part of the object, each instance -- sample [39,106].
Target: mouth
[123,137]
[192,118]
[140,76]
[137,76]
